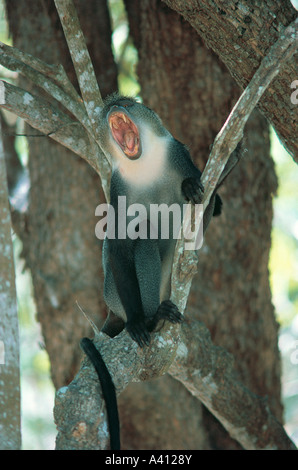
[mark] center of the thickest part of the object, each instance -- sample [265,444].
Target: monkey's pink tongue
[129,140]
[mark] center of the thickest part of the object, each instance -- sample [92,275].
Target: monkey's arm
[182,162]
[113,325]
[148,270]
[214,203]
[192,188]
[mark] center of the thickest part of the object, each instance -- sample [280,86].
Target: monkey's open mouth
[125,133]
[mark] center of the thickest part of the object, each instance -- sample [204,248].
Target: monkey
[149,166]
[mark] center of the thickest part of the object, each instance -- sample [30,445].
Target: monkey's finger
[174,316]
[198,193]
[193,190]
[174,319]
[139,333]
[169,311]
[139,339]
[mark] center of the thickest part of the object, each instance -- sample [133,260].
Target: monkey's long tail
[108,390]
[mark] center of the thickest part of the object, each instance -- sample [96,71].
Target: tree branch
[10,429]
[49,120]
[81,61]
[55,72]
[206,370]
[241,34]
[85,75]
[39,72]
[185,261]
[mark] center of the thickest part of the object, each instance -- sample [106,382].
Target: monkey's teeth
[115,125]
[125,118]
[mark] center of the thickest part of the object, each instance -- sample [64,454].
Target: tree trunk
[241,33]
[193,93]
[10,398]
[59,242]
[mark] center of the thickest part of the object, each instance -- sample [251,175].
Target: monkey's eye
[125,103]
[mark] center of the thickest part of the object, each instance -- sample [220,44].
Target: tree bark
[204,369]
[193,93]
[59,242]
[10,406]
[241,34]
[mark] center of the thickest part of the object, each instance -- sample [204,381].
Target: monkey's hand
[168,311]
[138,331]
[192,190]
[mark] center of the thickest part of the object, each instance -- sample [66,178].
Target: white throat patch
[151,165]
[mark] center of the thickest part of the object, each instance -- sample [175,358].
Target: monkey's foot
[138,331]
[168,311]
[192,190]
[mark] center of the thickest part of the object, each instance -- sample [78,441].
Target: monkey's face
[124,129]
[124,126]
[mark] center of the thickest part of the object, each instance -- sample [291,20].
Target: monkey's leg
[113,325]
[149,270]
[126,282]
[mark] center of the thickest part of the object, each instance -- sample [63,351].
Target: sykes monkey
[149,166]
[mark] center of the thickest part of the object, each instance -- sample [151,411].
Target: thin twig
[90,321]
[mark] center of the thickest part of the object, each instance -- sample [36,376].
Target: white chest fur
[151,165]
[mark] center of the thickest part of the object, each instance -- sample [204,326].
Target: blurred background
[38,429]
